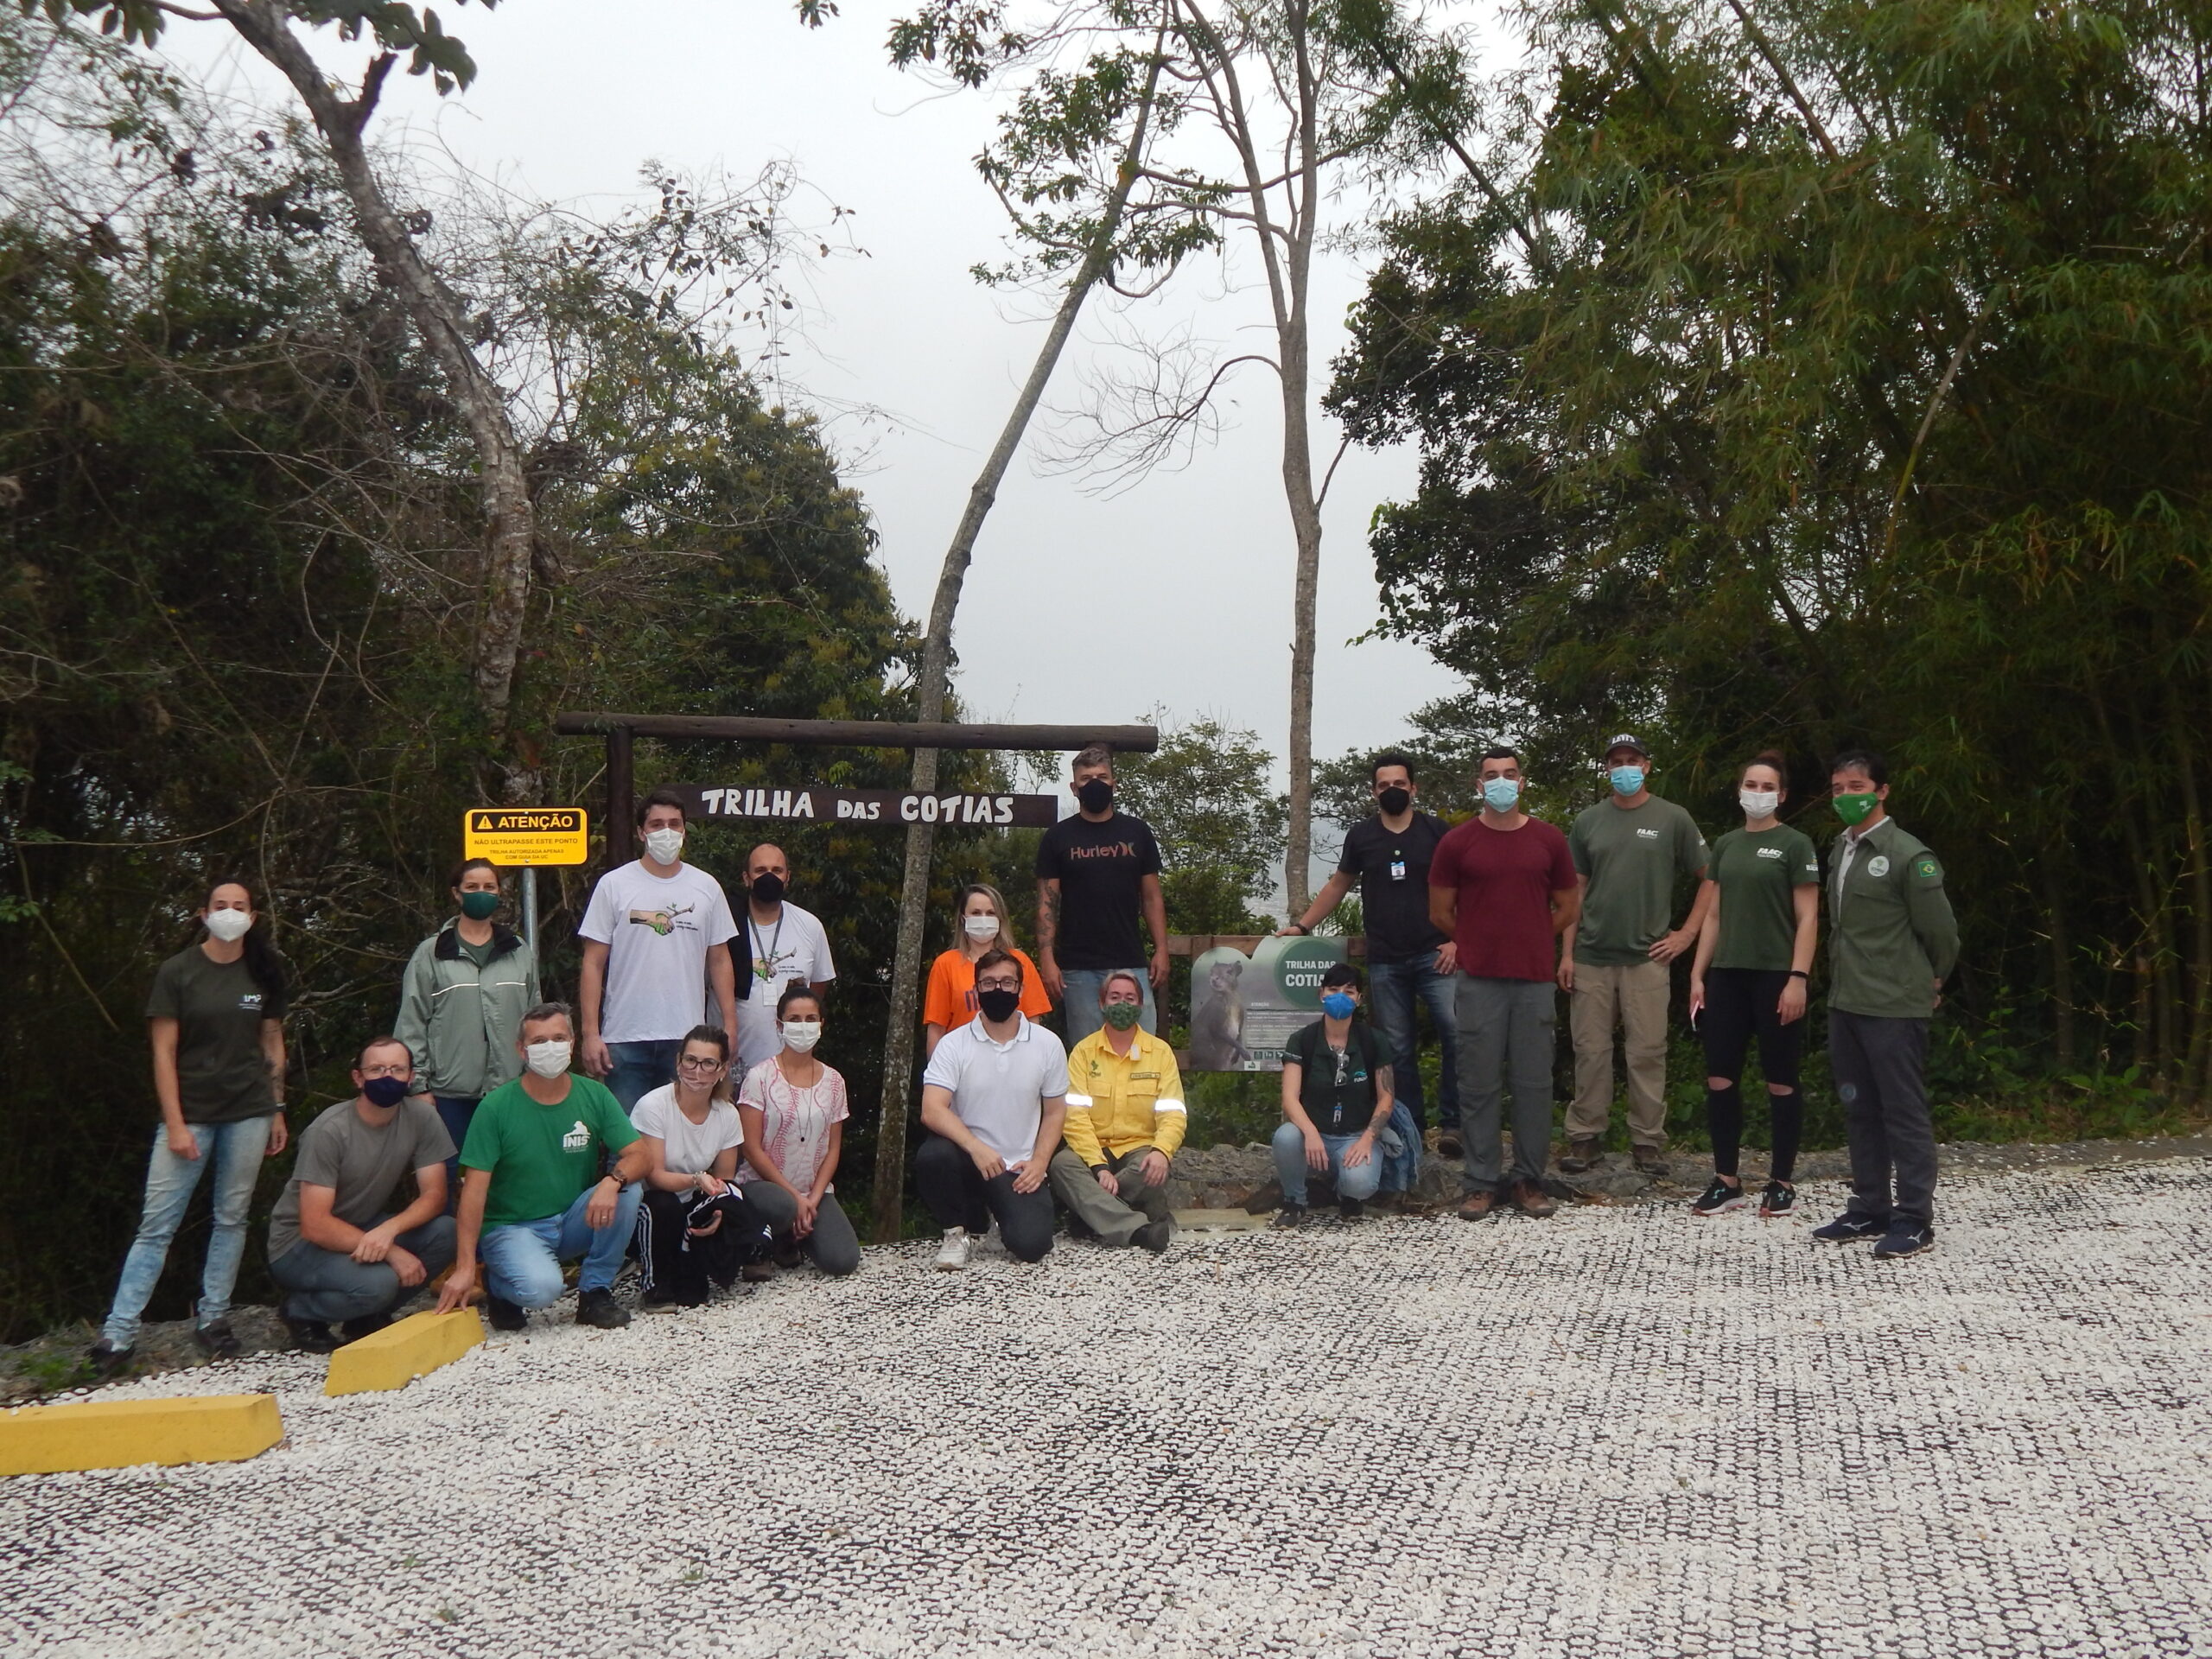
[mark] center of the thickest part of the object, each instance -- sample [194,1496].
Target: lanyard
[766,966]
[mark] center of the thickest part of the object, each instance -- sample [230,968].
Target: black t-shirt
[222,1076]
[1337,1089]
[1392,871]
[1100,869]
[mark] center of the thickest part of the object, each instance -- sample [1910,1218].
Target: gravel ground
[1618,1432]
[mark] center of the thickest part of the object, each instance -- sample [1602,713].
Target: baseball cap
[1625,741]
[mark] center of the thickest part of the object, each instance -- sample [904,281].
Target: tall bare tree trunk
[510,531]
[937,660]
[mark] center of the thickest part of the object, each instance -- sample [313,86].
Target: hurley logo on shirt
[577,1139]
[1103,850]
[665,922]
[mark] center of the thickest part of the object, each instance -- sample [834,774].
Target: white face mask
[981,927]
[548,1060]
[229,925]
[800,1035]
[663,846]
[1759,802]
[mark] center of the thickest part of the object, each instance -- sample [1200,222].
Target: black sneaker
[1780,1198]
[1850,1229]
[1904,1238]
[1351,1209]
[599,1309]
[1155,1235]
[368,1325]
[311,1336]
[217,1337]
[1289,1215]
[503,1313]
[1719,1199]
[659,1300]
[108,1359]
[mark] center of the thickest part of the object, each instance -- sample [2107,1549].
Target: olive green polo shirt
[1892,935]
[1632,857]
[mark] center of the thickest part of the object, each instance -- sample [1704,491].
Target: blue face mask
[1338,1006]
[1501,794]
[1627,779]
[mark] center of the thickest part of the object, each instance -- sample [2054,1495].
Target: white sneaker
[952,1255]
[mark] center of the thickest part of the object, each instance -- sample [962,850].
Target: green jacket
[461,1024]
[1892,935]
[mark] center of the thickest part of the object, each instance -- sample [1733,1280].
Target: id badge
[1397,869]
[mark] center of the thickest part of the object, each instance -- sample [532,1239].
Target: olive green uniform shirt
[1758,874]
[1891,930]
[1631,856]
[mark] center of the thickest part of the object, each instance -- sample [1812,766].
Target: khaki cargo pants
[1634,999]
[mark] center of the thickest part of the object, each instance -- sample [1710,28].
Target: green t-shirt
[222,1076]
[1759,875]
[542,1157]
[478,954]
[1631,856]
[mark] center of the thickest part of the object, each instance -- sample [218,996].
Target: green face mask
[1853,808]
[1121,1015]
[478,906]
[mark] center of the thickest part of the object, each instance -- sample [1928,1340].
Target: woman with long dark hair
[216,1021]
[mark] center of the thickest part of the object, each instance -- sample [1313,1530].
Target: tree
[1206,794]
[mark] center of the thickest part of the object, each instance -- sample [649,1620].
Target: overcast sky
[1175,593]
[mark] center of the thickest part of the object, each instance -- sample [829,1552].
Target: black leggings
[673,1260]
[1740,1002]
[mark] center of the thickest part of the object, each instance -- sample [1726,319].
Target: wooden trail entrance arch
[620,730]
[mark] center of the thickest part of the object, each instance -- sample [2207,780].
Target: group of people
[680,1112]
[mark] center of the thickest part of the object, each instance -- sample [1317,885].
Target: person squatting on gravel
[1125,1121]
[215,1019]
[694,1226]
[1337,1103]
[1893,941]
[994,1100]
[794,1112]
[335,1247]
[1754,959]
[532,1193]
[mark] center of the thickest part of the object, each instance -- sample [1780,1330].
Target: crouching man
[1125,1121]
[340,1253]
[531,1193]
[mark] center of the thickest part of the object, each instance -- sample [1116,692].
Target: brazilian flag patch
[1926,869]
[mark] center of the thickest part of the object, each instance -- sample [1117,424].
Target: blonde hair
[1004,940]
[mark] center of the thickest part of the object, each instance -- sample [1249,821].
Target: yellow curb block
[1219,1221]
[403,1350]
[115,1434]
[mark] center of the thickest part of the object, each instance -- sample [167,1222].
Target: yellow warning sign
[525,834]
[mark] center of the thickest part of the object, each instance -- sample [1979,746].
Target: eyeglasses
[998,985]
[384,1071]
[691,1062]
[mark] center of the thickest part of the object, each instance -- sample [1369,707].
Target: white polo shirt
[999,1088]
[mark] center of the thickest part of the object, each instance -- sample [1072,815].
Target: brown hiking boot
[1531,1199]
[1477,1205]
[1648,1161]
[1581,1154]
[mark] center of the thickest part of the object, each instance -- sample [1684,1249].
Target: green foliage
[1206,793]
[395,26]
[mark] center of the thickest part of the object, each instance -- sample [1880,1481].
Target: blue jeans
[522,1260]
[236,1151]
[1393,988]
[640,1068]
[329,1287]
[1080,1006]
[1356,1181]
[456,1114]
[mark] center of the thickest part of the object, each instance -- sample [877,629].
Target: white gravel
[1619,1431]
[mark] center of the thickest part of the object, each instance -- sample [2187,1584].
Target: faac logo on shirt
[250,1001]
[1647,835]
[577,1139]
[1770,852]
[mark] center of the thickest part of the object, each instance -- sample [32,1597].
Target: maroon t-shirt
[1505,879]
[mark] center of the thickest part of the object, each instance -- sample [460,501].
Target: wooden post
[621,807]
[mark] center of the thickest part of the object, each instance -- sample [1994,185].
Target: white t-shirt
[999,1088]
[793,946]
[794,1122]
[656,931]
[686,1147]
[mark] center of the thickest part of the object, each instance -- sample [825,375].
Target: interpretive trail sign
[813,803]
[525,836]
[1244,1009]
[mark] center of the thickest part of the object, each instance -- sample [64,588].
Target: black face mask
[1395,800]
[999,1005]
[1095,794]
[385,1091]
[768,889]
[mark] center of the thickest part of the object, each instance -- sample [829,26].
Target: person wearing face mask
[460,1005]
[656,934]
[1754,960]
[215,1019]
[1893,941]
[336,1246]
[1337,1095]
[1125,1123]
[536,1191]
[1097,873]
[1503,884]
[695,1226]
[794,1110]
[994,1100]
[1616,962]
[950,1001]
[1389,854]
[784,944]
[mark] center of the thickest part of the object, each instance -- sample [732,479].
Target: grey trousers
[1506,1029]
[833,1246]
[1880,1067]
[327,1286]
[1115,1220]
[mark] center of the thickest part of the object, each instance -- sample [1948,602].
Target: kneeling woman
[794,1112]
[1337,1100]
[695,1225]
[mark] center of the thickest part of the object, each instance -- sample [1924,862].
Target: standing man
[1389,853]
[994,1101]
[1628,851]
[1125,1119]
[1895,942]
[782,942]
[1502,886]
[1094,872]
[656,933]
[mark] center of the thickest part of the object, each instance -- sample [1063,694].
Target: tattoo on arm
[1386,1080]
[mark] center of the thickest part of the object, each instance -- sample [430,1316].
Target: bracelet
[1799,973]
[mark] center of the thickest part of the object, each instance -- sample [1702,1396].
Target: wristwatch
[1299,927]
